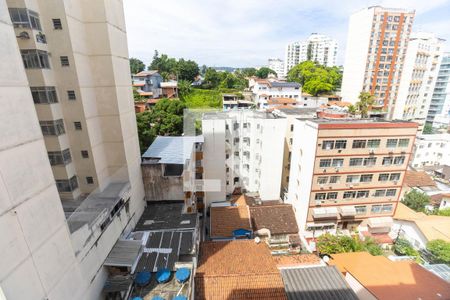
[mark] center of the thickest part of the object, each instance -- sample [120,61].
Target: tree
[440,250]
[331,244]
[248,72]
[212,78]
[136,96]
[264,72]
[187,70]
[165,65]
[315,78]
[184,88]
[203,70]
[404,247]
[352,109]
[428,128]
[366,100]
[444,212]
[136,65]
[416,200]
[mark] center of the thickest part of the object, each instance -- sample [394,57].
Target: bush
[404,247]
[440,250]
[198,98]
[444,212]
[331,244]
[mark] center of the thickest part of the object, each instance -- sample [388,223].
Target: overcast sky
[244,33]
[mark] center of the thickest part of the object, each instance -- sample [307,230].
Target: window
[44,94]
[64,61]
[340,144]
[370,161]
[373,143]
[71,95]
[322,179]
[84,154]
[89,180]
[59,157]
[332,196]
[292,127]
[352,178]
[361,209]
[366,178]
[22,17]
[349,194]
[52,127]
[362,194]
[65,185]
[335,179]
[403,142]
[376,209]
[383,177]
[387,208]
[77,125]
[325,163]
[57,24]
[355,162]
[394,176]
[399,160]
[379,193]
[327,145]
[387,161]
[391,192]
[391,143]
[236,140]
[358,144]
[35,59]
[34,20]
[320,196]
[338,162]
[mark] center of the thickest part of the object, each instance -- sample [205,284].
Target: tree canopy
[170,68]
[136,65]
[416,200]
[315,78]
[331,244]
[440,250]
[366,100]
[227,80]
[427,128]
[264,72]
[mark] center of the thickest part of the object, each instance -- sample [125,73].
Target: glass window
[361,209]
[376,209]
[338,162]
[320,196]
[44,94]
[325,163]
[65,185]
[22,17]
[391,192]
[399,160]
[34,20]
[77,125]
[71,95]
[357,144]
[391,143]
[403,142]
[379,193]
[373,143]
[352,178]
[335,179]
[394,176]
[64,61]
[89,180]
[327,145]
[366,178]
[362,194]
[370,161]
[383,177]
[57,24]
[387,161]
[322,179]
[85,154]
[52,127]
[332,196]
[340,144]
[35,59]
[349,194]
[387,208]
[355,162]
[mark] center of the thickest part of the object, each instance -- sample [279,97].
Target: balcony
[325,213]
[347,211]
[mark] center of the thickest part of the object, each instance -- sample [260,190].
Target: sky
[245,33]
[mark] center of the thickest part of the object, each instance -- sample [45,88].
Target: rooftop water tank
[163,275]
[143,278]
[180,297]
[157,298]
[182,275]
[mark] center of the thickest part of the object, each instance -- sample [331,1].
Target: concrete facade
[277,65]
[440,101]
[431,150]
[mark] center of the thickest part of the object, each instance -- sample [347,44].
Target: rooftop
[275,101]
[361,123]
[224,220]
[239,269]
[146,73]
[279,219]
[319,283]
[233,114]
[418,179]
[296,260]
[172,149]
[386,279]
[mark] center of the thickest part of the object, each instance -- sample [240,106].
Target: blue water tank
[137,298]
[182,274]
[163,275]
[157,298]
[143,278]
[242,233]
[181,297]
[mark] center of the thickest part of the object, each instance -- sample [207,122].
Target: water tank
[182,275]
[157,298]
[143,278]
[163,275]
[180,297]
[137,298]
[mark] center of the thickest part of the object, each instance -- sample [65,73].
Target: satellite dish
[326,258]
[23,35]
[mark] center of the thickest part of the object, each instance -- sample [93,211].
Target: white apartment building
[76,91]
[420,71]
[277,65]
[265,89]
[439,110]
[374,57]
[431,150]
[243,151]
[317,47]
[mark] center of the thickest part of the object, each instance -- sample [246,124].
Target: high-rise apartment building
[277,65]
[348,173]
[71,60]
[440,101]
[318,47]
[374,57]
[420,70]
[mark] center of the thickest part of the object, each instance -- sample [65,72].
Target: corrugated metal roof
[318,283]
[441,270]
[124,253]
[172,149]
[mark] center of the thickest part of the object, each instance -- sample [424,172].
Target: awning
[347,211]
[325,212]
[124,253]
[380,222]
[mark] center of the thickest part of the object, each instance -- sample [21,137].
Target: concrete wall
[358,288]
[158,187]
[409,231]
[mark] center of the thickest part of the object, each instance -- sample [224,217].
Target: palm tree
[366,100]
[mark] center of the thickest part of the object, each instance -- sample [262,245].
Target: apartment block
[431,150]
[347,174]
[242,152]
[317,47]
[440,101]
[420,71]
[265,89]
[277,65]
[375,54]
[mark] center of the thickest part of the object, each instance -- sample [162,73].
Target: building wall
[440,101]
[277,65]
[409,231]
[159,187]
[431,150]
[358,288]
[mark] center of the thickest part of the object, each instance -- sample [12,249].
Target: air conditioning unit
[324,170]
[371,152]
[337,169]
[395,182]
[339,151]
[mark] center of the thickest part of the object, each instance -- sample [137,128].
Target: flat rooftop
[165,216]
[233,114]
[360,123]
[172,149]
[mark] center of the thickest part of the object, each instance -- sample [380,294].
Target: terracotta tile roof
[381,238]
[226,219]
[289,261]
[279,219]
[237,270]
[415,179]
[274,101]
[437,198]
[386,279]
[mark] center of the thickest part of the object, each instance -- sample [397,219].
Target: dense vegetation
[440,251]
[416,200]
[331,244]
[136,65]
[403,247]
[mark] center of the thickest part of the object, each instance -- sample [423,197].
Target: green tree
[366,100]
[184,88]
[165,65]
[136,96]
[416,200]
[440,250]
[187,70]
[331,244]
[404,247]
[428,128]
[212,78]
[444,212]
[136,65]
[248,72]
[203,70]
[264,72]
[352,109]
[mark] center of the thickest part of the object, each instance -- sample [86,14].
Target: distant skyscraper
[317,47]
[376,47]
[440,101]
[277,65]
